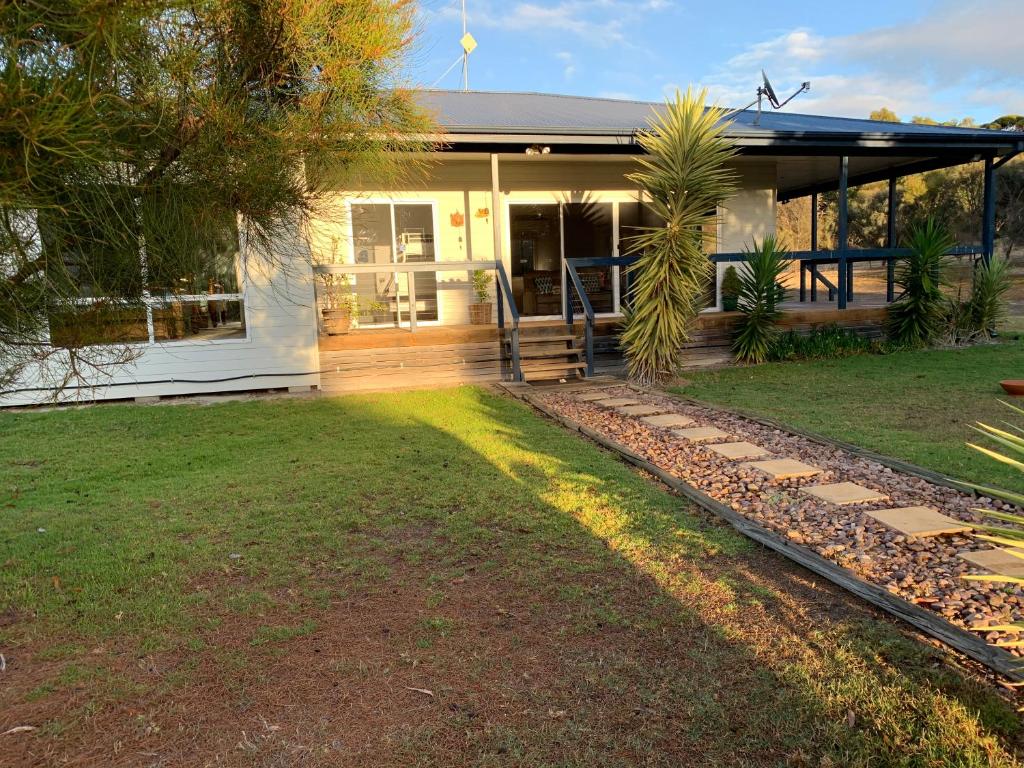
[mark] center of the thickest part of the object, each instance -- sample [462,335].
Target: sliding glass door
[542,235]
[389,234]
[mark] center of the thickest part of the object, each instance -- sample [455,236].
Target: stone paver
[598,394]
[925,570]
[667,420]
[738,451]
[640,410]
[995,560]
[785,469]
[844,493]
[919,521]
[700,434]
[617,402]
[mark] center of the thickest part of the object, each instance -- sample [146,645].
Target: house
[531,189]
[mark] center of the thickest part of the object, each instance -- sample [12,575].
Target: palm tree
[686,177]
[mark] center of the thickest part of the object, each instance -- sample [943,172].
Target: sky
[945,59]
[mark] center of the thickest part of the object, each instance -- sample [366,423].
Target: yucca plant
[686,176]
[1011,540]
[987,307]
[761,292]
[916,318]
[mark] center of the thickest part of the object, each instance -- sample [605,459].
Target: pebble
[923,570]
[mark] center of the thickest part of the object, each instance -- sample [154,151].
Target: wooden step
[542,339]
[574,370]
[532,354]
[554,366]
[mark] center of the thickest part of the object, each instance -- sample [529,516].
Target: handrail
[588,310]
[504,295]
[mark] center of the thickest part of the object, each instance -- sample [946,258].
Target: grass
[431,578]
[915,406]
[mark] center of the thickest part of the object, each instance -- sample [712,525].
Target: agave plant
[761,292]
[917,317]
[686,176]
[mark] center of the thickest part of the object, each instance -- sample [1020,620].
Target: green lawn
[915,406]
[435,578]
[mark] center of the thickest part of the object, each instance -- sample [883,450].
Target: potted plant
[481,310]
[338,305]
[731,287]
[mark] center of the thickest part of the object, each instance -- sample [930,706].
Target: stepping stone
[737,451]
[588,396]
[844,493]
[700,434]
[996,560]
[785,469]
[920,521]
[667,420]
[616,402]
[639,410]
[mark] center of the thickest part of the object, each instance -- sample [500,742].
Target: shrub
[823,342]
[731,287]
[919,316]
[760,295]
[987,307]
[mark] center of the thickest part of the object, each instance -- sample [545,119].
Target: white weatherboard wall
[280,350]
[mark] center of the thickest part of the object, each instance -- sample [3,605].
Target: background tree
[140,142]
[950,195]
[686,176]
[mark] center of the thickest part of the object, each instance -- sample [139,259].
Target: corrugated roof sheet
[469,112]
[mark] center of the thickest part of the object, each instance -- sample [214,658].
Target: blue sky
[941,58]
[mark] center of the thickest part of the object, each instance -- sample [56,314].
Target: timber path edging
[928,621]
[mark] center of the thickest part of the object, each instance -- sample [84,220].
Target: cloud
[961,56]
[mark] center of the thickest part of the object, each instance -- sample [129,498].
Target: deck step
[539,354]
[555,372]
[542,339]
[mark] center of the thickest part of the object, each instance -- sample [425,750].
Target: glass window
[186,281]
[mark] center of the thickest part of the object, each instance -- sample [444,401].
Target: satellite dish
[769,91]
[766,90]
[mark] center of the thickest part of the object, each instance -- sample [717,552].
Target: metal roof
[465,114]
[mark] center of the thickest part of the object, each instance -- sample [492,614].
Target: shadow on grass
[560,609]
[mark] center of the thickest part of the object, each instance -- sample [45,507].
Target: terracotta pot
[480,314]
[1013,387]
[337,322]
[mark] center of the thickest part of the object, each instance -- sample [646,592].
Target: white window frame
[391,202]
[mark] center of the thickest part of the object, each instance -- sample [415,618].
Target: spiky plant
[1010,540]
[686,176]
[987,307]
[761,292]
[917,317]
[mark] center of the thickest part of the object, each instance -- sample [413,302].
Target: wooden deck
[396,358]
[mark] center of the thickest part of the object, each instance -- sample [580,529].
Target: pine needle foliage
[918,317]
[761,292]
[168,132]
[686,176]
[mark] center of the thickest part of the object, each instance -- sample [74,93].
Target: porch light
[537,149]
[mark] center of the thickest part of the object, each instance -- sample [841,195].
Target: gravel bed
[925,570]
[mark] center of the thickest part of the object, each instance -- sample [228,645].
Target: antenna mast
[465,53]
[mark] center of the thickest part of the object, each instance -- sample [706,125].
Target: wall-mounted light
[537,149]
